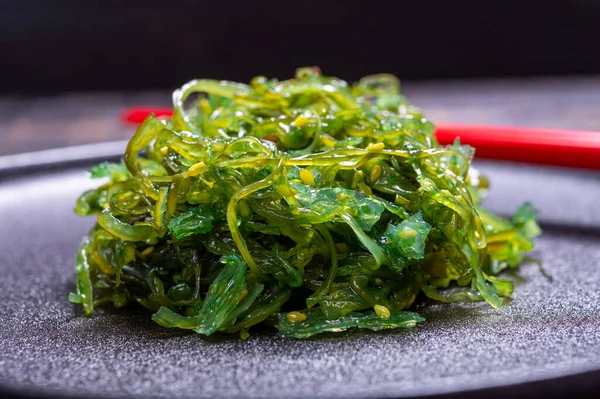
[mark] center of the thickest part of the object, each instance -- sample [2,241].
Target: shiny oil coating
[551,328]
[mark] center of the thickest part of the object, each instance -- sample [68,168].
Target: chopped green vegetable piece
[306,204]
[406,241]
[84,293]
[223,295]
[316,323]
[114,171]
[524,219]
[193,221]
[341,301]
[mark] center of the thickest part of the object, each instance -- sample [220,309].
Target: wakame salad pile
[308,204]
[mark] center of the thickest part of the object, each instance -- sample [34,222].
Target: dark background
[67,45]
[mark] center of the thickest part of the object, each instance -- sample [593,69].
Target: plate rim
[16,164]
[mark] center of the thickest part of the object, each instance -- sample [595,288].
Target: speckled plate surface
[546,341]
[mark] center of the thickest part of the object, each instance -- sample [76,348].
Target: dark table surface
[36,123]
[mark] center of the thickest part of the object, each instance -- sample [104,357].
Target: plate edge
[16,164]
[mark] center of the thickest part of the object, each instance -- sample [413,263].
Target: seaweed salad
[308,204]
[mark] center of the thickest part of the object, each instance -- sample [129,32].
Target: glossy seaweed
[307,204]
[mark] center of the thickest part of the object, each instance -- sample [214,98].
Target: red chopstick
[138,114]
[557,147]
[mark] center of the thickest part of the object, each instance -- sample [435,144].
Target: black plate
[547,340]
